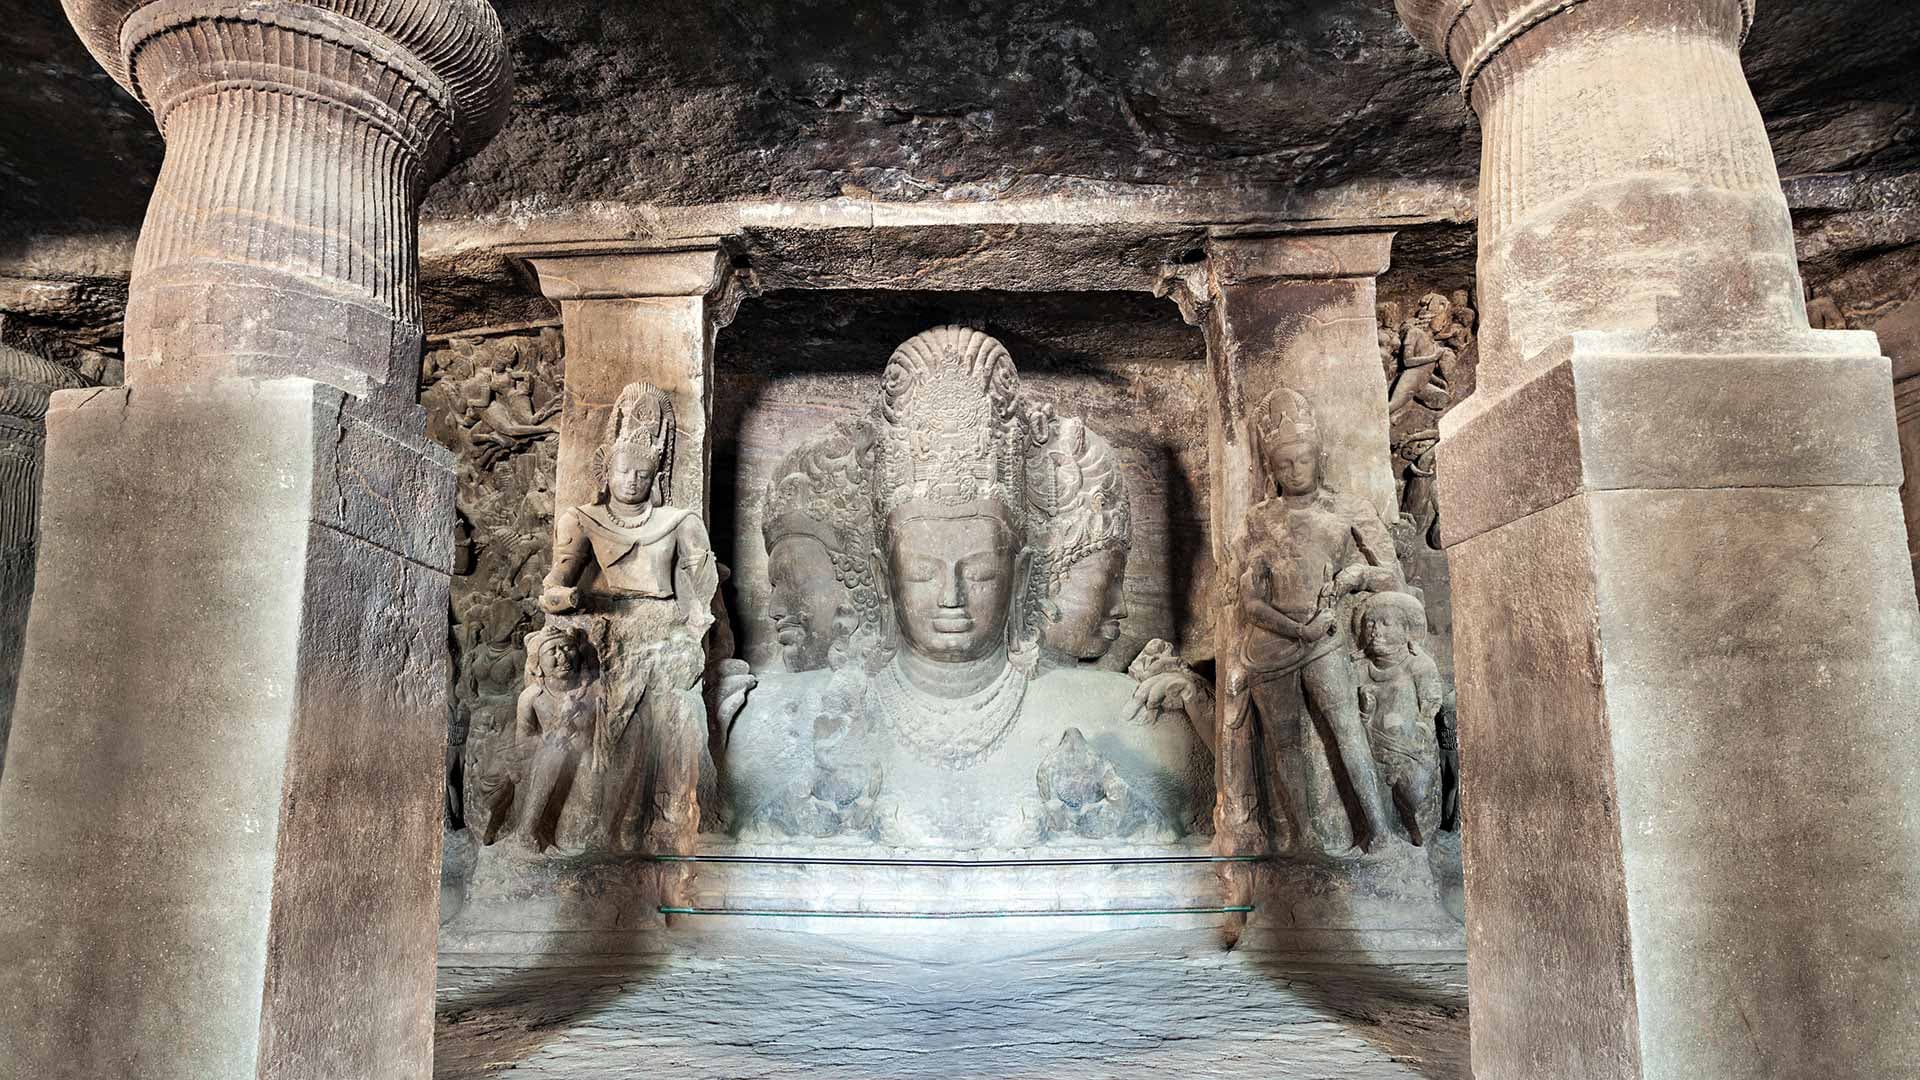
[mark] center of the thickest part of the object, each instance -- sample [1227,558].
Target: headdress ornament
[1078,498]
[643,415]
[1284,417]
[820,489]
[952,428]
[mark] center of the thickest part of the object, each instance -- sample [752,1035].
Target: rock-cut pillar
[1686,641]
[219,813]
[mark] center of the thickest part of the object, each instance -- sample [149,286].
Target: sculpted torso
[636,557]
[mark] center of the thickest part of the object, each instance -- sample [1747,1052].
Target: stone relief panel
[490,400]
[1431,354]
[1312,557]
[948,694]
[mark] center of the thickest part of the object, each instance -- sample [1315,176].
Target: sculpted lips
[953,624]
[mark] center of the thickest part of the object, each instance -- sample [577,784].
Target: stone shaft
[224,777]
[1686,638]
[227,824]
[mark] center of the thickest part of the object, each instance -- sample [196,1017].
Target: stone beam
[219,811]
[1686,641]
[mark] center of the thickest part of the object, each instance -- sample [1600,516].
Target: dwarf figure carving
[1400,696]
[560,733]
[1307,548]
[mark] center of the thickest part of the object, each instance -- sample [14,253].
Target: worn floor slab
[1036,1016]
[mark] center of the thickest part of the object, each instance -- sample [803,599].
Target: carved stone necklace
[957,732]
[625,522]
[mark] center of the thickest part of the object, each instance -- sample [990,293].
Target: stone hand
[1165,692]
[559,599]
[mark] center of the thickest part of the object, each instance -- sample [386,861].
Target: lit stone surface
[1047,1014]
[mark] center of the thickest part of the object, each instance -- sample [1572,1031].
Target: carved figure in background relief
[1083,530]
[1307,548]
[818,529]
[1400,695]
[940,738]
[1419,502]
[1429,345]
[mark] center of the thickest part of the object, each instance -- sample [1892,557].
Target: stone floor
[1045,1015]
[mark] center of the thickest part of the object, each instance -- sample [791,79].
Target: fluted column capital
[433,72]
[1476,36]
[302,136]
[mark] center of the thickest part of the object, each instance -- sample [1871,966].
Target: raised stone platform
[1062,1008]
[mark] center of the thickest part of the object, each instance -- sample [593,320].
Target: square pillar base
[1689,681]
[219,819]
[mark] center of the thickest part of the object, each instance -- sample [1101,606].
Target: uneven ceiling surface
[723,100]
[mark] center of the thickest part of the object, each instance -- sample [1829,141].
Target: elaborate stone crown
[1078,499]
[952,427]
[1285,417]
[642,414]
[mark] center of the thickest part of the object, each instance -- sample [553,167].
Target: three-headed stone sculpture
[937,738]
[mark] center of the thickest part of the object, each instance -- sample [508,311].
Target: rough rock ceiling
[725,100]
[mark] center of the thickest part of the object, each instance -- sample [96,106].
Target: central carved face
[557,660]
[631,471]
[806,596]
[1091,603]
[1295,466]
[1383,635]
[950,573]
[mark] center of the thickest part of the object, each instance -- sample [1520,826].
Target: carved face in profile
[950,576]
[1084,616]
[806,597]
[1294,465]
[631,469]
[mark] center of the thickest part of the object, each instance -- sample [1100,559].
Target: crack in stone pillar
[1686,640]
[219,806]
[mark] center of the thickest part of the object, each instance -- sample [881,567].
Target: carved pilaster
[25,383]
